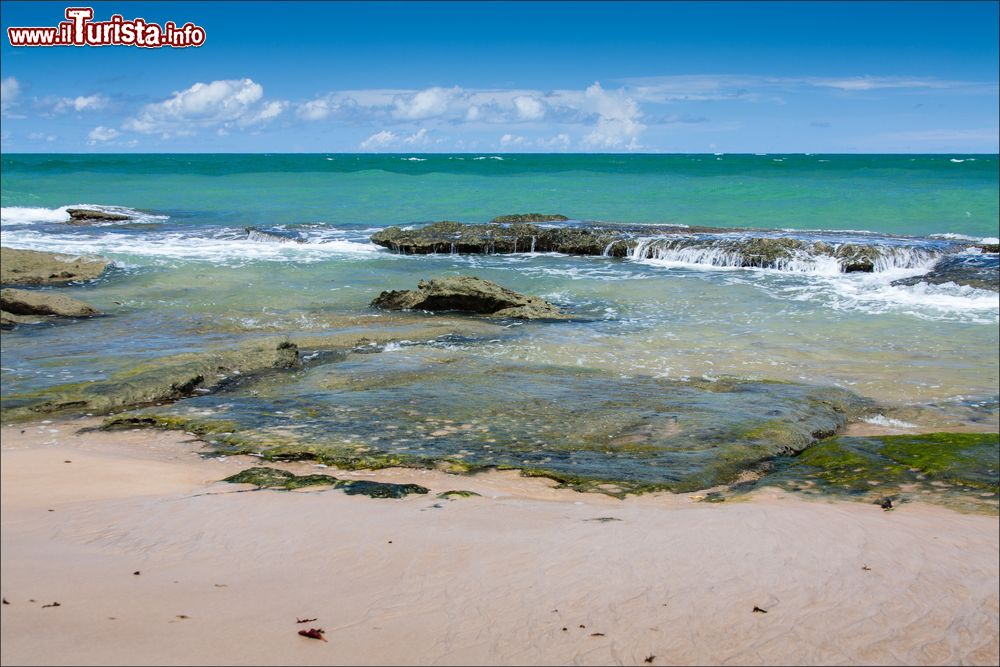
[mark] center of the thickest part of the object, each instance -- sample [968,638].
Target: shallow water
[187,278]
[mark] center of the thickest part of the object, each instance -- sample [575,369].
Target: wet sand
[524,574]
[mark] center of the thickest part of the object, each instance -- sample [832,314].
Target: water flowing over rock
[33,267]
[468,294]
[83,216]
[981,271]
[254,234]
[730,248]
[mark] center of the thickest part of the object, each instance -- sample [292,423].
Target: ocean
[672,320]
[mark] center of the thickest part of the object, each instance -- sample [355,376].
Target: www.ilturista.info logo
[80,30]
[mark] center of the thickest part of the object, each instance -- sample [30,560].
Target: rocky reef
[957,469]
[583,428]
[981,271]
[33,267]
[703,245]
[156,381]
[272,478]
[19,306]
[468,294]
[85,216]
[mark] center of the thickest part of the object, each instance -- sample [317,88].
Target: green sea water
[901,194]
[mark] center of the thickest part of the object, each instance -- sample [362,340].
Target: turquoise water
[901,194]
[186,278]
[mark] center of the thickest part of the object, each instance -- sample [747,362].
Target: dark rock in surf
[254,234]
[980,271]
[471,295]
[83,216]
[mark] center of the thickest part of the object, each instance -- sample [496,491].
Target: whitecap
[882,420]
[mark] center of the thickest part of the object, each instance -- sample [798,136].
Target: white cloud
[10,91]
[379,140]
[528,108]
[101,134]
[426,103]
[511,141]
[41,136]
[618,123]
[418,138]
[226,103]
[82,103]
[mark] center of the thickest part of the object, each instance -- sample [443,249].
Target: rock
[979,271]
[271,478]
[156,381]
[993,248]
[468,294]
[31,302]
[254,234]
[529,217]
[83,216]
[957,469]
[10,320]
[33,267]
[856,258]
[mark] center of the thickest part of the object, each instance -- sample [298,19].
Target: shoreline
[464,580]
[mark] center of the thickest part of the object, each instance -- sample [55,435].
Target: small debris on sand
[313,633]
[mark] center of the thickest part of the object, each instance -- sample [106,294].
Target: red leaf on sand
[313,633]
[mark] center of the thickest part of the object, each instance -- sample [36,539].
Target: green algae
[272,478]
[448,495]
[955,469]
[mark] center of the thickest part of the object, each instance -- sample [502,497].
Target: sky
[542,77]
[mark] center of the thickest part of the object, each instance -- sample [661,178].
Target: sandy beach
[154,562]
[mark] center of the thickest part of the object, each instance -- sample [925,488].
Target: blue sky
[525,76]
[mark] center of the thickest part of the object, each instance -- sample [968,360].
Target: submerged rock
[586,429]
[82,216]
[272,478]
[33,302]
[981,271]
[529,217]
[468,294]
[959,469]
[33,267]
[156,381]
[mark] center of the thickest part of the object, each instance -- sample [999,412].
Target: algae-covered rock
[83,216]
[33,267]
[156,381]
[273,478]
[468,294]
[586,429]
[529,217]
[992,248]
[34,302]
[448,495]
[959,469]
